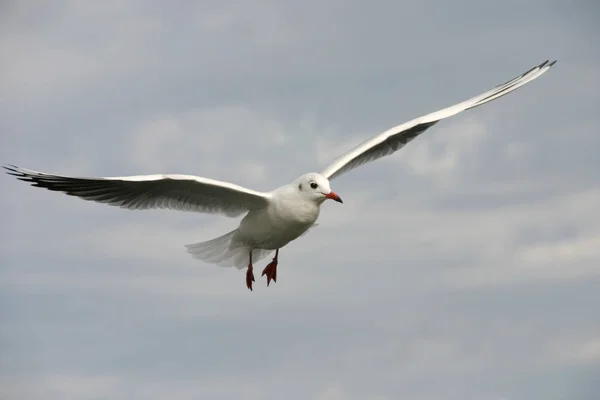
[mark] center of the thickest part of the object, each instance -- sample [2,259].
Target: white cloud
[587,352]
[332,392]
[567,251]
[42,65]
[229,136]
[328,145]
[444,150]
[516,150]
[61,386]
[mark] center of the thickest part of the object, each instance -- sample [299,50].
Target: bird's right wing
[397,137]
[177,192]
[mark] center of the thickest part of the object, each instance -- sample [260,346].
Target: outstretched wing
[177,192]
[397,137]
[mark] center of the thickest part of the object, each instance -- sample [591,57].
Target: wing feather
[397,137]
[176,192]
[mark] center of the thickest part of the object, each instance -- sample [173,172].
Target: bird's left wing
[177,192]
[397,137]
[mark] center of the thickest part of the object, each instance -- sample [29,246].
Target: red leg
[271,269]
[249,273]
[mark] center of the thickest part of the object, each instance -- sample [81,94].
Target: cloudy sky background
[466,266]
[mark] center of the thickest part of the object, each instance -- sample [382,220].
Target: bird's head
[315,186]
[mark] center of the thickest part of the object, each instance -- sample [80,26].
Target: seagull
[272,219]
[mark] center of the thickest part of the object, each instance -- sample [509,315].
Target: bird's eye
[314,185]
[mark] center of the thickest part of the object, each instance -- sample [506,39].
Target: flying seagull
[273,219]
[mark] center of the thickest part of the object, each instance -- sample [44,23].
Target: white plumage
[273,219]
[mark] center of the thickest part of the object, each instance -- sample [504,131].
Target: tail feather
[224,252]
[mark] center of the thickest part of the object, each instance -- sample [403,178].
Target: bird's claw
[271,272]
[249,277]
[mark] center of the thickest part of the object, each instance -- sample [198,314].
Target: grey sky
[463,267]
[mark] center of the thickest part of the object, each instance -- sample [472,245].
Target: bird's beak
[331,195]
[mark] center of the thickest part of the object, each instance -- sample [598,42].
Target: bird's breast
[277,225]
[294,212]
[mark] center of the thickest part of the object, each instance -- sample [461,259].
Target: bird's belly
[260,230]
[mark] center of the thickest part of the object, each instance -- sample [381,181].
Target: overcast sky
[465,266]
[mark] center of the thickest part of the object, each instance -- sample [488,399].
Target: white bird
[273,219]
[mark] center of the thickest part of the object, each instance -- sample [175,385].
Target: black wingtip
[12,169]
[537,67]
[10,166]
[552,63]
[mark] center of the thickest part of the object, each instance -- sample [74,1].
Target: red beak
[333,196]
